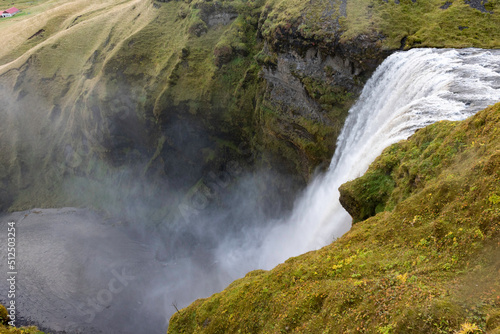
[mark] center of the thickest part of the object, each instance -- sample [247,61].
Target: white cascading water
[85,273]
[408,91]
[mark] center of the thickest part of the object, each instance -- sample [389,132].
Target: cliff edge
[427,262]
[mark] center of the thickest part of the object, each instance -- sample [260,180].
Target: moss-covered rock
[275,75]
[364,197]
[428,264]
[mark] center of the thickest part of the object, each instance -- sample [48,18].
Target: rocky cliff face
[171,90]
[310,89]
[174,90]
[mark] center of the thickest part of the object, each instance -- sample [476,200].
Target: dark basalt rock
[479,5]
[446,5]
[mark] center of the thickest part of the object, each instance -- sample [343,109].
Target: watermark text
[12,272]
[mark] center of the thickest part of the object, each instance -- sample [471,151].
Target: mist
[408,91]
[132,245]
[141,245]
[79,267]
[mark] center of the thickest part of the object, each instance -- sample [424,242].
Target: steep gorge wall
[174,90]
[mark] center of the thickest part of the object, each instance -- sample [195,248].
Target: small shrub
[494,199]
[468,328]
[4,315]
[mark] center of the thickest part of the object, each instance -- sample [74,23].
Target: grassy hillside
[88,87]
[406,23]
[108,101]
[427,262]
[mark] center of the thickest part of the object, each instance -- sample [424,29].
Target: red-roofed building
[10,12]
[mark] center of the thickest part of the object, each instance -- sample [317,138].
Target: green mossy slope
[429,265]
[84,107]
[397,24]
[19,330]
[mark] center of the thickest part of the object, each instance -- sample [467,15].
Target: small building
[10,12]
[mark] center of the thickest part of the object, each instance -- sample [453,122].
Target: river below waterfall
[80,272]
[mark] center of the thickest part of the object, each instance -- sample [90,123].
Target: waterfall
[80,269]
[408,91]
